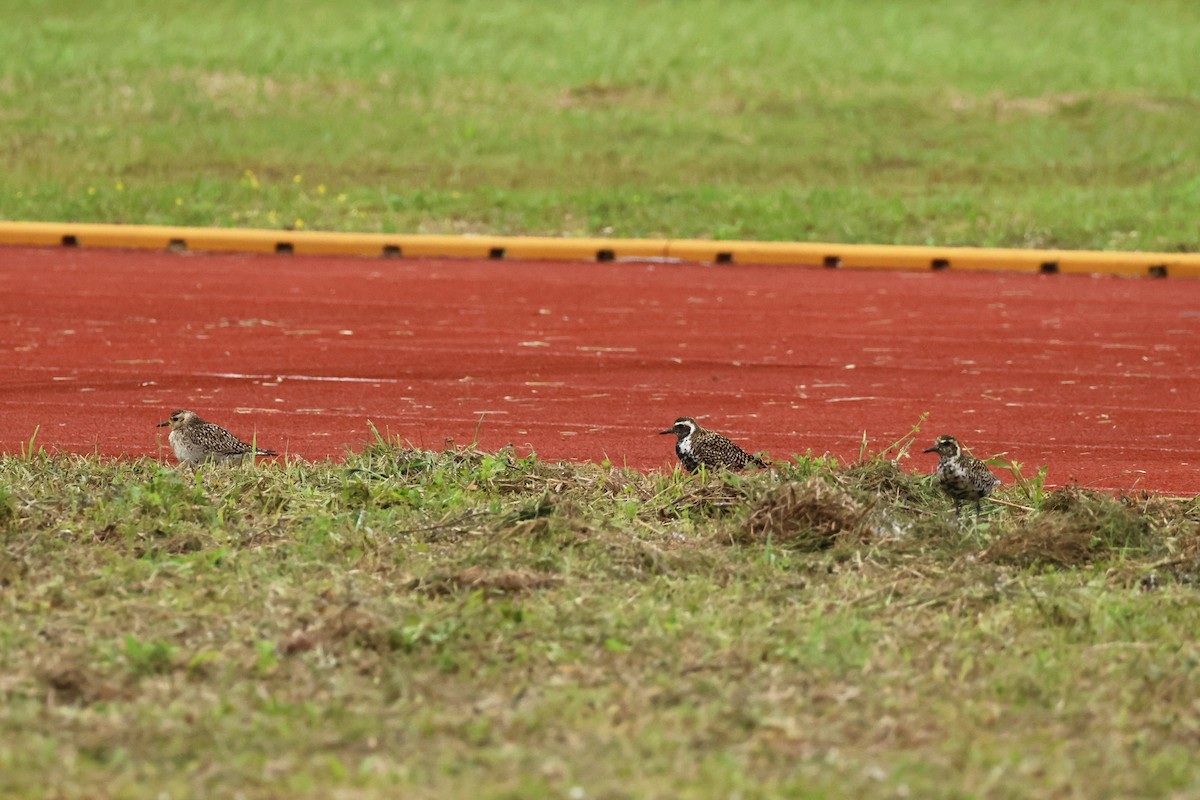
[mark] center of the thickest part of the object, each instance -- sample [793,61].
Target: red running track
[1096,377]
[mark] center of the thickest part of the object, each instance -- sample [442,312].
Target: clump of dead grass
[1116,525]
[887,480]
[1052,538]
[70,683]
[805,515]
[350,622]
[1075,527]
[490,582]
[713,496]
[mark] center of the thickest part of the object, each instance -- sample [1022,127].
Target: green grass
[421,624]
[944,122]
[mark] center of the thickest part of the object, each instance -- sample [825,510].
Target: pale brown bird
[196,441]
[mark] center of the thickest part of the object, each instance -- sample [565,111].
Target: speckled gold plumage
[961,475]
[195,441]
[696,446]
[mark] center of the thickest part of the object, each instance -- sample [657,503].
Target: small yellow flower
[297,179]
[91,190]
[320,188]
[342,197]
[178,201]
[273,217]
[299,224]
[120,186]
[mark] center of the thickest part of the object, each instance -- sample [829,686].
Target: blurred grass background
[1067,124]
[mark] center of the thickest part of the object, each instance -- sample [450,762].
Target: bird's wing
[225,443]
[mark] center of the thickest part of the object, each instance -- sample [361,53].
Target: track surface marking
[1098,378]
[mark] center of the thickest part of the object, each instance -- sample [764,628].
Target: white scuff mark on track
[277,379]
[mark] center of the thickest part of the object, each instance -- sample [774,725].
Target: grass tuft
[807,516]
[491,582]
[1052,538]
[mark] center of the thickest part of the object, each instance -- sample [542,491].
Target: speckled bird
[196,441]
[961,475]
[695,446]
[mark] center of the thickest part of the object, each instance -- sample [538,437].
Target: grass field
[459,624]
[465,624]
[942,122]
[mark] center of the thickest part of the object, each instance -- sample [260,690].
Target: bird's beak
[163,424]
[668,430]
[930,450]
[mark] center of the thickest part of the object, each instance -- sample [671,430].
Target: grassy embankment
[465,624]
[1023,123]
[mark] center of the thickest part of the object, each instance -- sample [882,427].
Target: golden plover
[961,475]
[695,446]
[195,441]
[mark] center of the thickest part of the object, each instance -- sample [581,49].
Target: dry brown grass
[492,582]
[1076,526]
[1048,538]
[809,515]
[889,482]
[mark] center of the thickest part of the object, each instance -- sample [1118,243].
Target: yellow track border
[846,256]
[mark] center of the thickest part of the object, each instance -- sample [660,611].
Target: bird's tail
[258,451]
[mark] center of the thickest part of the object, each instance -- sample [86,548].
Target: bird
[696,446]
[961,475]
[196,441]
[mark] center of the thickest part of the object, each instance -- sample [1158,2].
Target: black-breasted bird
[961,475]
[195,441]
[695,446]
